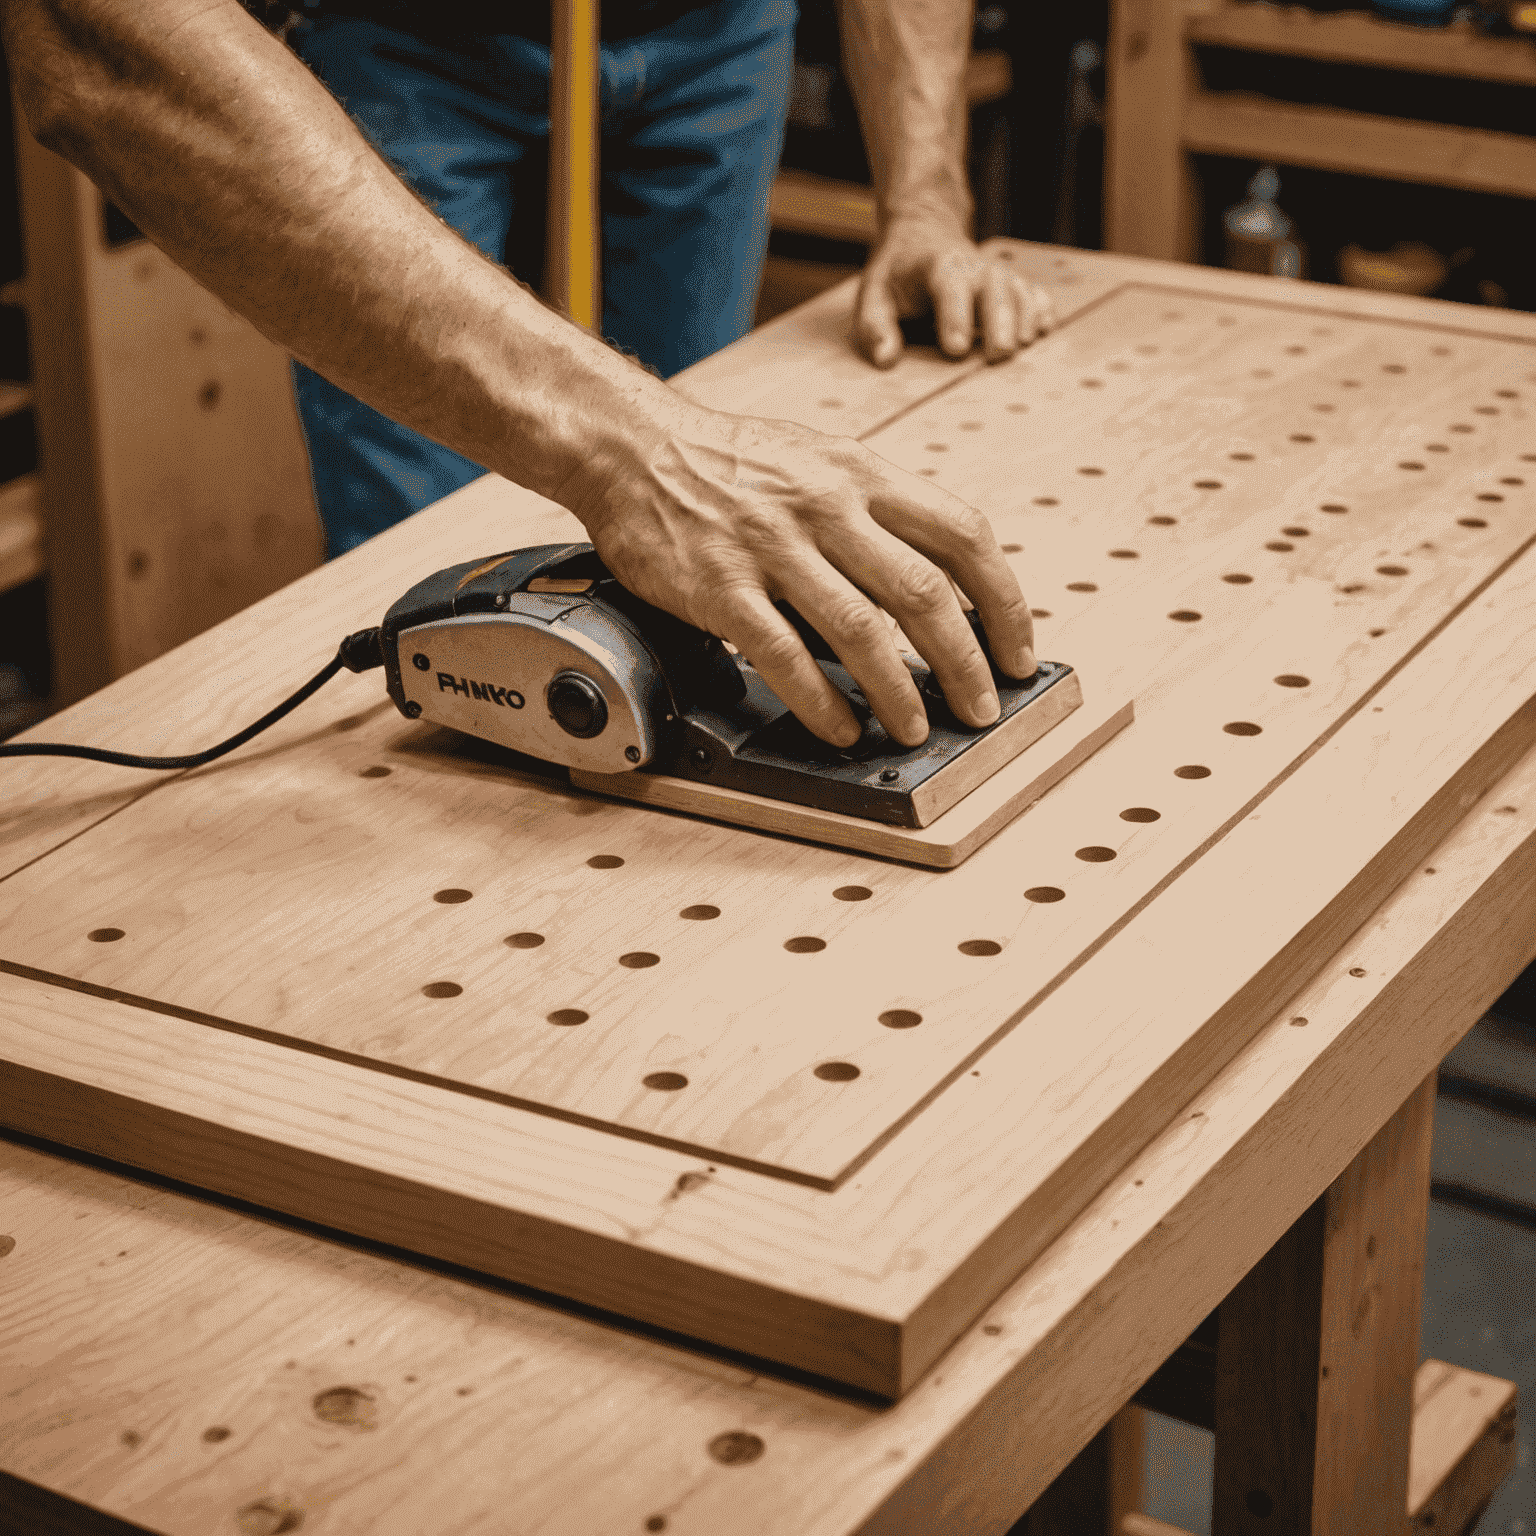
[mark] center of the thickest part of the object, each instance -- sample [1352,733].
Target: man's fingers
[954,310]
[1002,316]
[959,540]
[918,595]
[861,635]
[1038,315]
[767,639]
[876,328]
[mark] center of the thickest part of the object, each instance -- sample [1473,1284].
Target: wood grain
[577,1426]
[323,894]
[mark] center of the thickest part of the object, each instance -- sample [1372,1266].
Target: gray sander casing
[594,678]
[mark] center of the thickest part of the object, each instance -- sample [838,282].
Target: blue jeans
[692,118]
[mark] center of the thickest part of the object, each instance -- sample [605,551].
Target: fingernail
[1026,666]
[914,730]
[958,341]
[986,708]
[845,735]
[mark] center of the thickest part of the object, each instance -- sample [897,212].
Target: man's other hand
[721,516]
[923,263]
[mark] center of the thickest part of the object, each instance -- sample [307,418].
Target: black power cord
[357,653]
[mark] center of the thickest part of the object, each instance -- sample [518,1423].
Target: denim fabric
[692,119]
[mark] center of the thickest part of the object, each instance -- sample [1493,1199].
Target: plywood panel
[294,892]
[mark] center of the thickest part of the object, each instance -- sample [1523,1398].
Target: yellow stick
[572,251]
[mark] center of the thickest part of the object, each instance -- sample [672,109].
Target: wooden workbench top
[590,1427]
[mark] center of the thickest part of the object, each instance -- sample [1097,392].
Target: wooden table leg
[1317,1353]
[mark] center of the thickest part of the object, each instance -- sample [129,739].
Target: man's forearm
[229,154]
[905,61]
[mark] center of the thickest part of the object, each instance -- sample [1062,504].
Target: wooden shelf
[21,531]
[1356,37]
[1360,143]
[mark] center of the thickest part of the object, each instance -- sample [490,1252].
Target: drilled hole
[1391,570]
[1349,383]
[1013,549]
[837,1071]
[105,935]
[1242,728]
[1353,586]
[1045,894]
[441,989]
[523,940]
[665,1082]
[1262,373]
[1437,447]
[1507,394]
[1375,634]
[805,944]
[971,426]
[1242,458]
[1486,410]
[1124,554]
[1184,616]
[1462,426]
[1192,771]
[1489,496]
[900,1018]
[1095,854]
[1333,506]
[937,447]
[1039,613]
[1510,480]
[927,471]
[1092,383]
[736,1448]
[700,914]
[1237,578]
[1162,522]
[1472,522]
[1295,351]
[1298,1022]
[1302,437]
[1046,501]
[1140,813]
[452,897]
[376,772]
[1207,485]
[605,861]
[1293,680]
[568,1016]
[1089,469]
[1081,586]
[852,893]
[1410,464]
[1393,368]
[1296,533]
[981,947]
[639,960]
[1279,546]
[1323,409]
[1357,970]
[1018,407]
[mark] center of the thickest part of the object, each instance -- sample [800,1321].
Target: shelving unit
[1160,114]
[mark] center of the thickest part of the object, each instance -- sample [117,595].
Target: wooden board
[944,844]
[342,1387]
[176,488]
[848,1223]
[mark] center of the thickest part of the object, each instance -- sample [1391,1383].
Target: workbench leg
[1317,1352]
[1151,199]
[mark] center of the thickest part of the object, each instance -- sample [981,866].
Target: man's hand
[726,514]
[925,262]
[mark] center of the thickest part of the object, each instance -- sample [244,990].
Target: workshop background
[1392,149]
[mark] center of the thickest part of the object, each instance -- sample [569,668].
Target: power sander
[543,651]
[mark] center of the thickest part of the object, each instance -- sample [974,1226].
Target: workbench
[1221,1096]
